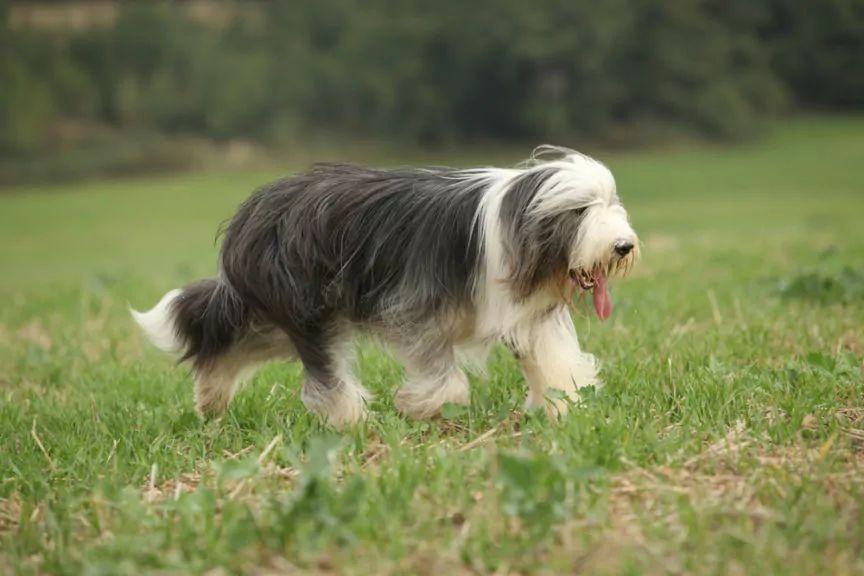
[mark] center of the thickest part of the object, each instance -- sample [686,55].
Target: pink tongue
[602,301]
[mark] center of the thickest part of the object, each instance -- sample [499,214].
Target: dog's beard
[597,282]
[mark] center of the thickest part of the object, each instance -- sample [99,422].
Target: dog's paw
[347,416]
[340,407]
[555,402]
[421,400]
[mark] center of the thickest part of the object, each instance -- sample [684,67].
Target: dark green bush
[431,72]
[818,50]
[26,107]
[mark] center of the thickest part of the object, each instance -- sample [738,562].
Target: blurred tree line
[431,72]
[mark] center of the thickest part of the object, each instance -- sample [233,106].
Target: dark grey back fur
[341,241]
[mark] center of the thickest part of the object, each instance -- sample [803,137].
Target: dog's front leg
[554,365]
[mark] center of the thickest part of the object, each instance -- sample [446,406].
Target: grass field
[729,437]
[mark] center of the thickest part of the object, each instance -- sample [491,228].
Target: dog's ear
[537,245]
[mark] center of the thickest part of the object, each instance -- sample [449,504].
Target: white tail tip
[158,325]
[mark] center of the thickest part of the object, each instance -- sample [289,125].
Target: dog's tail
[198,322]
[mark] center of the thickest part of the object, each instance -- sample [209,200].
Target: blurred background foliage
[129,79]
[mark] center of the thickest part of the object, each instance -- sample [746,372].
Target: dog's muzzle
[596,282]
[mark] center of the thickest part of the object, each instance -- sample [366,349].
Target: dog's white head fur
[581,183]
[550,226]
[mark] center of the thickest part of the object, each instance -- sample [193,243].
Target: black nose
[623,247]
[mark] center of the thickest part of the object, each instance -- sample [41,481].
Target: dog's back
[343,239]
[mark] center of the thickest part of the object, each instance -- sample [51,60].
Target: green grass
[729,437]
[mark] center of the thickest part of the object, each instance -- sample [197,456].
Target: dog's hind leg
[431,381]
[331,389]
[217,381]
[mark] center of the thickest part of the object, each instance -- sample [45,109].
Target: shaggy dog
[437,263]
